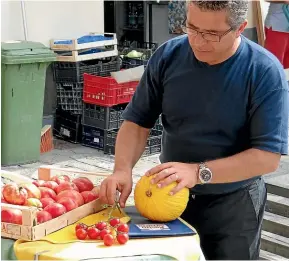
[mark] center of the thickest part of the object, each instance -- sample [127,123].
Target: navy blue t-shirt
[213,111]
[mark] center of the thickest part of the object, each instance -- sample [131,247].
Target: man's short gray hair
[237,10]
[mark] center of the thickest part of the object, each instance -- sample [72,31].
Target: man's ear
[241,29]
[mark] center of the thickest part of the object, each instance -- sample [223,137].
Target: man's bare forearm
[244,165]
[130,144]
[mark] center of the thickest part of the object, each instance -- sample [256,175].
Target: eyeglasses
[207,36]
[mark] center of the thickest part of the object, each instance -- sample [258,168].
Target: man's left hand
[186,175]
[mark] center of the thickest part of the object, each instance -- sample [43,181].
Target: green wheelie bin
[23,73]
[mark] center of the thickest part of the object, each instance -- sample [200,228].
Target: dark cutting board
[140,227]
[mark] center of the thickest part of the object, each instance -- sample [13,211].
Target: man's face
[213,22]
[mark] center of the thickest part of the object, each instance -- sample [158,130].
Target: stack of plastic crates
[104,102]
[68,77]
[98,121]
[145,48]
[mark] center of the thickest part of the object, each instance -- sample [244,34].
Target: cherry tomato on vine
[101,225]
[81,234]
[104,232]
[93,232]
[122,238]
[123,228]
[108,239]
[80,225]
[114,222]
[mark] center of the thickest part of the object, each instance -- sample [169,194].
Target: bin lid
[18,52]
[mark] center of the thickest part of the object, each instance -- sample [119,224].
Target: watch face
[206,175]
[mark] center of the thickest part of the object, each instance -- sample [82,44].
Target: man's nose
[199,40]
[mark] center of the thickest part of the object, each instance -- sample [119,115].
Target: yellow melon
[156,204]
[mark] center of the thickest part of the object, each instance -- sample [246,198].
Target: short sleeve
[269,113]
[146,104]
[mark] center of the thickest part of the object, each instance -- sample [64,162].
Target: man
[224,106]
[277,30]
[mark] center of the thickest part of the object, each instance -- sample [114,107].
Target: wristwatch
[205,174]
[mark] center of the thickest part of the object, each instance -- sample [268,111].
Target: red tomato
[93,233]
[80,225]
[114,222]
[101,225]
[123,228]
[108,240]
[122,238]
[81,234]
[103,233]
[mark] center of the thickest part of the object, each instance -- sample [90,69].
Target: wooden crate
[29,230]
[76,46]
[72,52]
[76,56]
[46,143]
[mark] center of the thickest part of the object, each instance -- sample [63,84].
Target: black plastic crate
[138,45]
[69,97]
[127,62]
[155,138]
[158,125]
[67,126]
[110,150]
[159,120]
[153,142]
[146,48]
[93,137]
[103,117]
[111,137]
[73,71]
[152,150]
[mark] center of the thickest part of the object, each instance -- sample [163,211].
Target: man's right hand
[118,181]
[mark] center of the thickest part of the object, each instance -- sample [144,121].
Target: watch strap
[202,165]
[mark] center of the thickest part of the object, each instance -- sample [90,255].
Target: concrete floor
[83,158]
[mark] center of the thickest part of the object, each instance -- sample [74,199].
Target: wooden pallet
[73,52]
[29,230]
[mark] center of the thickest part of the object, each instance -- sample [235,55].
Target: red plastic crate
[105,91]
